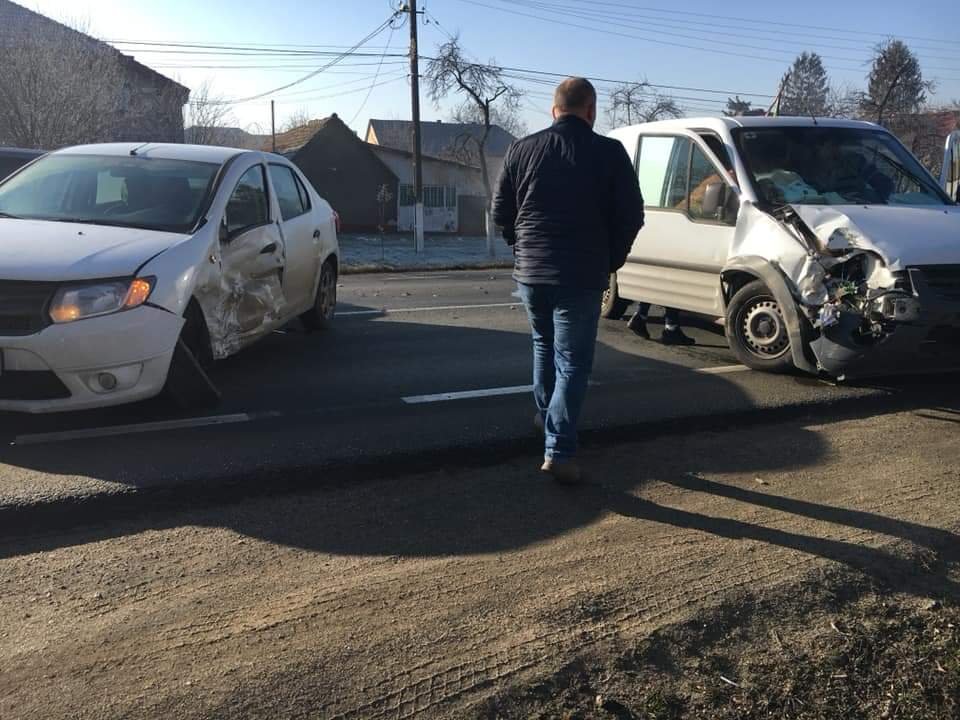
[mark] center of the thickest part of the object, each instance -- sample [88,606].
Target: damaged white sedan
[126,269]
[823,244]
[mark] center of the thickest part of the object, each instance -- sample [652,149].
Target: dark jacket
[569,202]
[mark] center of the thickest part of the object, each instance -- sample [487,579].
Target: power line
[375,78]
[383,26]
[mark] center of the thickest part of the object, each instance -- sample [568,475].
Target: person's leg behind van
[539,301]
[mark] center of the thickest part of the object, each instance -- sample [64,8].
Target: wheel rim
[762,329]
[327,296]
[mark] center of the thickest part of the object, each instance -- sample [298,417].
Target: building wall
[437,178]
[349,177]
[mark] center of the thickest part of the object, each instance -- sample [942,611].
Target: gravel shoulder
[437,594]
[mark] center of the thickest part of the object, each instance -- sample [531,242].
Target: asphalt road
[431,367]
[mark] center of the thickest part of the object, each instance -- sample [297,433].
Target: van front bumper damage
[858,311]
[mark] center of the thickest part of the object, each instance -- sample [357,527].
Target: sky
[704,51]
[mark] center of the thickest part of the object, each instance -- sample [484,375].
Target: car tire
[613,307]
[188,385]
[757,331]
[325,303]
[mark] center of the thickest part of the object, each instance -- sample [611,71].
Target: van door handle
[269,249]
[316,234]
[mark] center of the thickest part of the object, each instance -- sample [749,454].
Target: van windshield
[122,191]
[833,166]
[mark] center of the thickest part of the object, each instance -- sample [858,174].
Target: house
[131,102]
[450,141]
[453,194]
[371,186]
[344,171]
[224,136]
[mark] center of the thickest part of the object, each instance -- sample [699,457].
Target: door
[677,256]
[301,236]
[252,261]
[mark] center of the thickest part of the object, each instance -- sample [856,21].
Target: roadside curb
[379,269]
[68,513]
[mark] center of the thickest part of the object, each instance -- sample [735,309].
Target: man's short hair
[574,93]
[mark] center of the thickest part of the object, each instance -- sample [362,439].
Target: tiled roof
[297,137]
[439,139]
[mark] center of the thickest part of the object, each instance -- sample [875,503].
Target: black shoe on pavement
[638,325]
[675,336]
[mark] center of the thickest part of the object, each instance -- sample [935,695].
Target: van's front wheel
[613,306]
[757,330]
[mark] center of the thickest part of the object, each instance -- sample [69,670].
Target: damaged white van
[823,244]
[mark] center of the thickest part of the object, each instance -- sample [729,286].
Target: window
[304,195]
[288,194]
[434,196]
[662,165]
[247,207]
[703,173]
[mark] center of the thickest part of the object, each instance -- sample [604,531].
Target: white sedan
[125,269]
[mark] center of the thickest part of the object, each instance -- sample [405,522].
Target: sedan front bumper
[99,362]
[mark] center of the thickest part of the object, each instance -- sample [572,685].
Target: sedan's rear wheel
[757,330]
[325,303]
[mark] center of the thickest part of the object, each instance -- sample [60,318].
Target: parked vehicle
[14,158]
[126,269]
[823,244]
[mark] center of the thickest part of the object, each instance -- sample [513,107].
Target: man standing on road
[569,202]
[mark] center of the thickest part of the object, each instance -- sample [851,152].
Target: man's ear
[592,115]
[555,112]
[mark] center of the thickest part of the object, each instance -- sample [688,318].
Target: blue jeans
[564,324]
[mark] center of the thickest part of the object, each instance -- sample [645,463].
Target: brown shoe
[564,472]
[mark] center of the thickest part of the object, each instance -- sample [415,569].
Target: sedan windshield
[834,166]
[122,191]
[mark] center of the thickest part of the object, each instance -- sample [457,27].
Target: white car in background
[125,269]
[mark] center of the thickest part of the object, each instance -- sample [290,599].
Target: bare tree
[737,106]
[637,102]
[208,118]
[59,87]
[485,89]
[466,147]
[298,118]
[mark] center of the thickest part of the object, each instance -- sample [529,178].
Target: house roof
[438,138]
[407,154]
[14,19]
[295,138]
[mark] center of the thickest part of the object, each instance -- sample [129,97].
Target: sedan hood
[45,250]
[902,236]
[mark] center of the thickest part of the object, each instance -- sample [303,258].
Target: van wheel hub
[763,329]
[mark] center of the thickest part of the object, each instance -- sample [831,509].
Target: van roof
[729,123]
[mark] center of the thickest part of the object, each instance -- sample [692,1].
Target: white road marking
[393,311]
[110,431]
[467,394]
[722,370]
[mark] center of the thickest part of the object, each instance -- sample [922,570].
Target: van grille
[943,280]
[23,306]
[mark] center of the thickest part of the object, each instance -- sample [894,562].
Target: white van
[822,244]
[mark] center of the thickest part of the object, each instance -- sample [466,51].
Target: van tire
[757,331]
[613,307]
[325,302]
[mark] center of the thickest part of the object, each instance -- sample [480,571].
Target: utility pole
[273,126]
[411,8]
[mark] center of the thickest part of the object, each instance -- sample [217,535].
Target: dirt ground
[489,592]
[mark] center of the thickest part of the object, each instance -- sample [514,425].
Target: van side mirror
[950,174]
[713,199]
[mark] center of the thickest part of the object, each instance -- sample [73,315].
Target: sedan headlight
[77,302]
